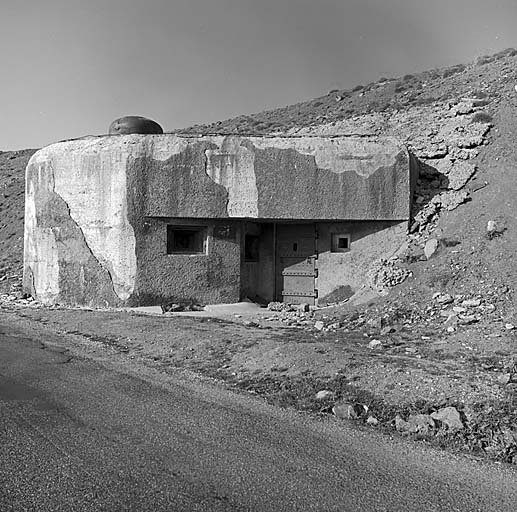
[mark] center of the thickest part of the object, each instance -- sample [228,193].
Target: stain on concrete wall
[304,191]
[179,185]
[232,166]
[284,178]
[90,237]
[89,177]
[59,265]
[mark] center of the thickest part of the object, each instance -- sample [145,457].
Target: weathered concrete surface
[88,234]
[282,178]
[89,181]
[210,278]
[341,274]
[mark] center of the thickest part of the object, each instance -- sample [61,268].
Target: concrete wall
[342,274]
[88,234]
[79,245]
[209,278]
[279,178]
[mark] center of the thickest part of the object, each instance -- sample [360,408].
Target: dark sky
[69,67]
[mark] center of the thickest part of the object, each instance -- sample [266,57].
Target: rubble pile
[445,148]
[11,293]
[385,274]
[293,315]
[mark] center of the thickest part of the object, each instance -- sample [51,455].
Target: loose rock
[319,325]
[430,247]
[450,417]
[324,394]
[349,411]
[375,344]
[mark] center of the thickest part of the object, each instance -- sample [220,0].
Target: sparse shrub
[453,70]
[400,88]
[408,77]
[481,103]
[358,88]
[481,117]
[432,74]
[479,94]
[396,105]
[334,91]
[485,59]
[317,104]
[424,101]
[383,106]
[504,53]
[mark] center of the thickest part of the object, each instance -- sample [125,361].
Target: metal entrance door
[296,263]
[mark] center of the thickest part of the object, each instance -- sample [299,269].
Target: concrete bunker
[151,219]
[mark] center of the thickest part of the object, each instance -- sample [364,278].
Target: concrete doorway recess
[296,263]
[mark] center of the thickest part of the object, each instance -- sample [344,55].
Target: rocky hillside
[386,95]
[460,122]
[12,179]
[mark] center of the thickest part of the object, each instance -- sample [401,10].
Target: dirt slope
[12,189]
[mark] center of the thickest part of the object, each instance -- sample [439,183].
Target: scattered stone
[460,174]
[319,325]
[430,247]
[467,319]
[509,327]
[280,306]
[450,328]
[452,199]
[471,303]
[504,379]
[450,417]
[420,423]
[375,344]
[324,394]
[372,421]
[400,424]
[250,323]
[463,108]
[416,424]
[387,330]
[349,411]
[385,274]
[444,298]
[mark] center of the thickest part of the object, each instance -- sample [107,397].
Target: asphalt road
[78,434]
